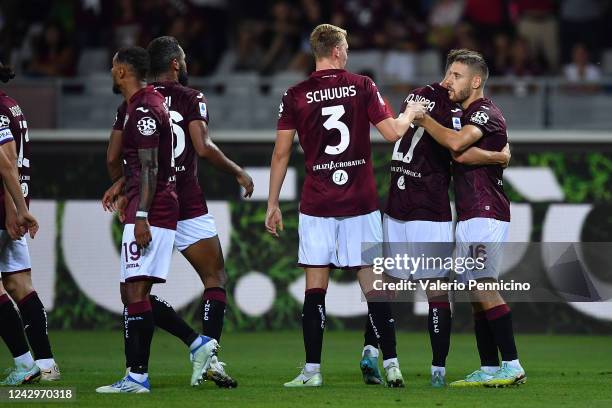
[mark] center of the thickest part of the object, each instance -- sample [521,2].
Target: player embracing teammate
[418,218]
[483,211]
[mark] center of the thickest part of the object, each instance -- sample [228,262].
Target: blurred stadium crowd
[519,38]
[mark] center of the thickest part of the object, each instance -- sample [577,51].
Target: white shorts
[152,263]
[429,239]
[190,231]
[14,255]
[481,237]
[337,241]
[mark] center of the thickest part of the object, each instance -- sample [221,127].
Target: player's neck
[475,96]
[326,63]
[131,89]
[167,77]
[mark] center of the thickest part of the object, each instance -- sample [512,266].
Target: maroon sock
[34,319]
[500,322]
[313,324]
[485,341]
[11,328]
[139,333]
[439,327]
[382,322]
[213,312]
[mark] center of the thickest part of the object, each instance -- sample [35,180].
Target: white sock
[139,377]
[513,364]
[388,362]
[373,351]
[439,369]
[312,368]
[24,360]
[196,343]
[45,363]
[489,369]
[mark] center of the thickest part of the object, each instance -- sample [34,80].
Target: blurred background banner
[560,192]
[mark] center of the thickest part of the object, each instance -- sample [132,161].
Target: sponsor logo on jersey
[401,183]
[5,134]
[479,117]
[4,121]
[457,123]
[146,126]
[143,110]
[340,177]
[418,98]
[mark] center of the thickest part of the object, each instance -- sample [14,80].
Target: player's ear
[476,82]
[176,66]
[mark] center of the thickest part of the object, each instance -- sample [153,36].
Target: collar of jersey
[323,72]
[146,89]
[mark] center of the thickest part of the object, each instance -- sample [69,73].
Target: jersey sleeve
[286,116]
[145,125]
[378,110]
[197,108]
[486,120]
[120,117]
[6,133]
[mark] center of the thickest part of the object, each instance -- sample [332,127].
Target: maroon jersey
[147,125]
[13,126]
[332,111]
[185,105]
[420,167]
[479,190]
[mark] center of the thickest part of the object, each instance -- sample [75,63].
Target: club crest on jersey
[479,117]
[146,126]
[401,183]
[340,177]
[4,121]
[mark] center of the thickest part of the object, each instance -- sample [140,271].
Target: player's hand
[246,182]
[416,109]
[506,151]
[110,196]
[27,223]
[274,218]
[142,232]
[120,204]
[12,227]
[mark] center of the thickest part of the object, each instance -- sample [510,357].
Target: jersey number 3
[333,122]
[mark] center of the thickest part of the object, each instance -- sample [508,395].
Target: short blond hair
[324,38]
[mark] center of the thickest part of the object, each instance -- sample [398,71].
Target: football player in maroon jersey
[331,112]
[483,211]
[15,262]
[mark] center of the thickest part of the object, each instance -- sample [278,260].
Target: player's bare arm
[10,176]
[13,229]
[148,180]
[207,149]
[454,140]
[394,129]
[278,170]
[113,155]
[475,156]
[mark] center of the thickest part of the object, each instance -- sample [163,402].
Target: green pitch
[563,371]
